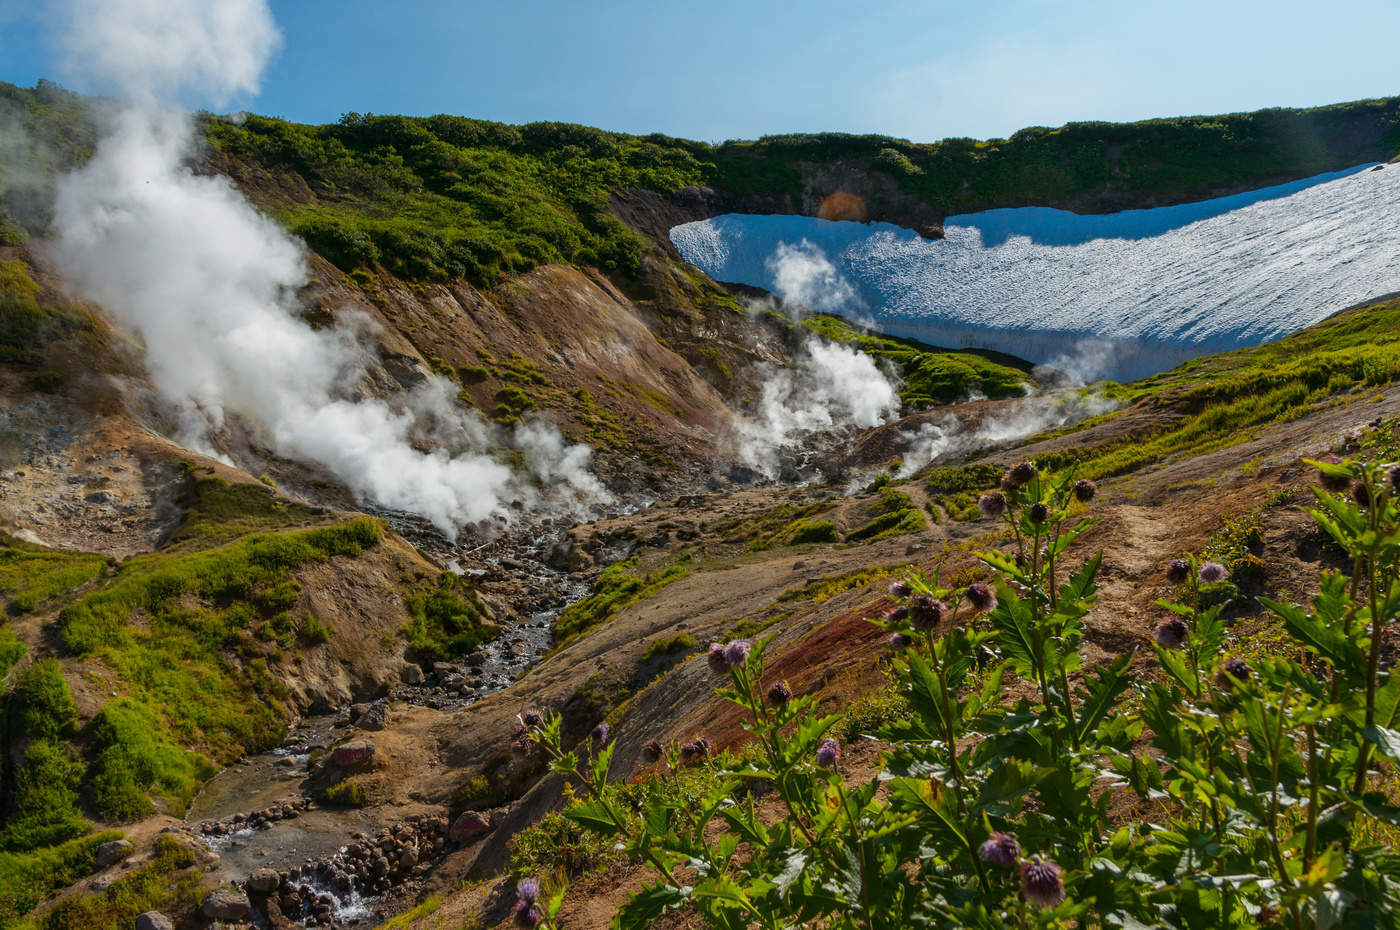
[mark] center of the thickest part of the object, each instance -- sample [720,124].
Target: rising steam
[209,285]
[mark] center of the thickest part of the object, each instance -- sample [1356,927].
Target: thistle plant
[1022,789]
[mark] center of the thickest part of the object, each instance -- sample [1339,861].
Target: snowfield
[1118,296]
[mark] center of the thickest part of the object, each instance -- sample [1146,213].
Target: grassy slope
[445,196]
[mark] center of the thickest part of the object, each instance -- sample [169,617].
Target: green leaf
[647,906]
[1386,740]
[1106,683]
[592,815]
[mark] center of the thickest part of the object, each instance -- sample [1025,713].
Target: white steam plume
[803,275]
[833,387]
[209,285]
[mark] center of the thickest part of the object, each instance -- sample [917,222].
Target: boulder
[111,853]
[376,718]
[468,827]
[355,752]
[226,904]
[264,880]
[153,920]
[411,674]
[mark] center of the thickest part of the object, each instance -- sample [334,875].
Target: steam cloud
[209,285]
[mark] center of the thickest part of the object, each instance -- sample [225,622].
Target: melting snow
[1121,295]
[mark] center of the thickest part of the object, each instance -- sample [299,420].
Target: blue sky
[742,68]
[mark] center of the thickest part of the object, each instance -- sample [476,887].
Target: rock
[111,853]
[476,659]
[226,904]
[452,682]
[409,858]
[376,718]
[411,674]
[358,710]
[264,880]
[468,827]
[153,920]
[443,669]
[355,752]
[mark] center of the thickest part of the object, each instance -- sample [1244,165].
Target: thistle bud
[981,596]
[1211,572]
[779,694]
[828,753]
[1000,849]
[1171,633]
[1038,513]
[992,504]
[1042,883]
[1178,571]
[1084,490]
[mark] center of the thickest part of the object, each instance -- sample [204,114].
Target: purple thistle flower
[716,658]
[521,747]
[828,753]
[899,614]
[779,694]
[653,750]
[1212,572]
[1392,477]
[1042,882]
[528,916]
[1020,474]
[1039,513]
[527,891]
[1360,493]
[1333,483]
[926,612]
[696,750]
[1171,633]
[992,504]
[1232,671]
[532,718]
[900,641]
[1000,849]
[981,596]
[899,589]
[1084,490]
[736,653]
[1178,571]
[517,731]
[600,733]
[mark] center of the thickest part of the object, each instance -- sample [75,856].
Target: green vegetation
[668,646]
[11,651]
[955,489]
[41,706]
[218,512]
[616,589]
[26,324]
[31,578]
[346,793]
[784,525]
[1208,791]
[28,878]
[448,620]
[166,883]
[894,514]
[825,588]
[44,808]
[133,759]
[928,376]
[410,917]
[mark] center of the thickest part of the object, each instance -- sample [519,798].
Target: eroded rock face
[226,904]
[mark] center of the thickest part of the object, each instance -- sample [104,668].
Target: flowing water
[1119,295]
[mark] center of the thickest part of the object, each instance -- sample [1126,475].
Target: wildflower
[1392,476]
[1178,571]
[532,718]
[1042,882]
[981,596]
[1020,474]
[925,611]
[1360,493]
[1171,633]
[528,916]
[521,747]
[828,753]
[1212,572]
[992,504]
[600,733]
[779,694]
[900,641]
[899,589]
[653,750]
[527,892]
[517,731]
[716,658]
[1000,849]
[1232,671]
[1333,483]
[899,614]
[1084,490]
[696,750]
[736,653]
[1039,513]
